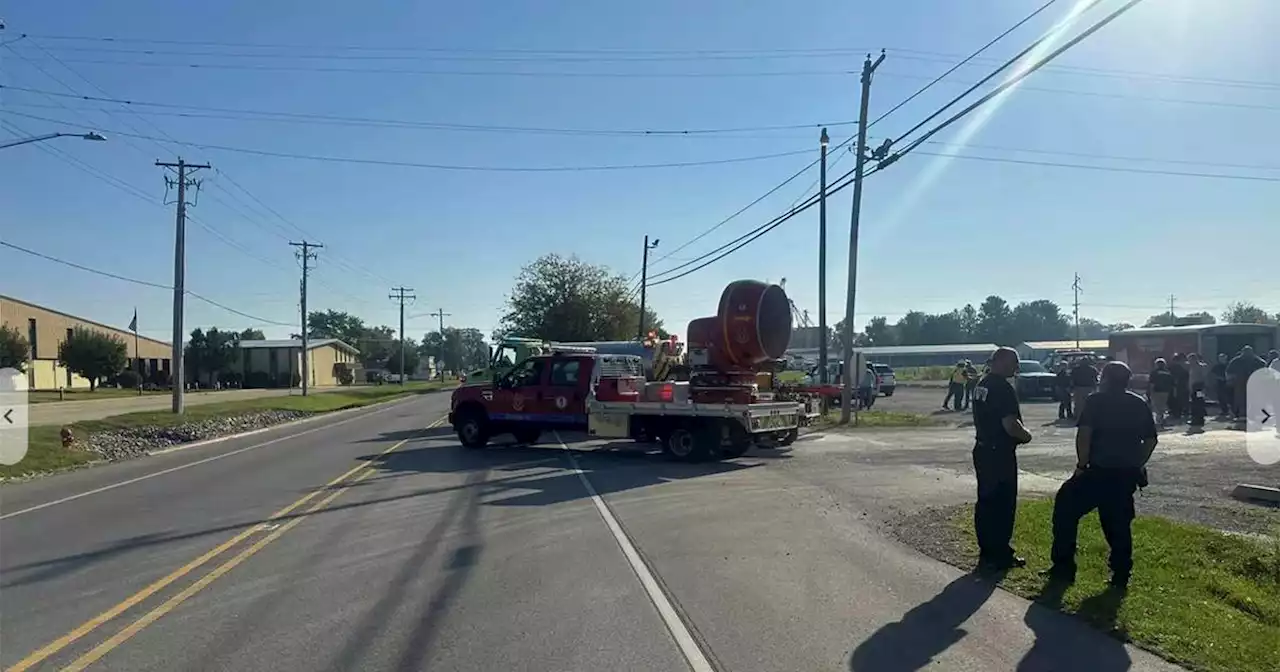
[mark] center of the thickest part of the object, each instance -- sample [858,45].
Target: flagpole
[137,358]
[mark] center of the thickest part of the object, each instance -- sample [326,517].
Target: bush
[344,374]
[129,379]
[14,349]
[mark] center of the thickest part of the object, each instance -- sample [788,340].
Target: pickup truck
[606,396]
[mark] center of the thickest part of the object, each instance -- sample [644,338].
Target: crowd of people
[1177,388]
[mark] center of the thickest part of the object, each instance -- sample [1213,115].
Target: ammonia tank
[752,326]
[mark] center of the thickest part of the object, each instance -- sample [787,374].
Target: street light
[91,135]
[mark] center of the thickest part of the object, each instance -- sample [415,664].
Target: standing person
[1159,388]
[970,382]
[1220,386]
[1084,380]
[955,387]
[998,431]
[1062,387]
[867,388]
[1198,375]
[1115,439]
[1274,357]
[1239,370]
[1178,400]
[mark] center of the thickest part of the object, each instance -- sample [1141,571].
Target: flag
[133,324]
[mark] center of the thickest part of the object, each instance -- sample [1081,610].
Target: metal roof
[956,348]
[297,343]
[1091,344]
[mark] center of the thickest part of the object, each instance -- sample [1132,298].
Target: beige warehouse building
[279,363]
[45,329]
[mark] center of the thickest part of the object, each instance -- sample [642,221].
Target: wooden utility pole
[644,280]
[822,263]
[1075,289]
[441,314]
[177,377]
[402,294]
[305,255]
[850,375]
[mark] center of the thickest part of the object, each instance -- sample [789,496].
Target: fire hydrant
[67,437]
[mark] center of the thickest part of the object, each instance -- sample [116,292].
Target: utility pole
[440,314]
[644,280]
[305,255]
[178,379]
[1172,318]
[822,262]
[402,295]
[846,395]
[1075,289]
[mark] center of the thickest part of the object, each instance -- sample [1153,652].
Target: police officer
[998,428]
[1115,439]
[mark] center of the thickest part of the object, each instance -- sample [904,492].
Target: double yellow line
[353,476]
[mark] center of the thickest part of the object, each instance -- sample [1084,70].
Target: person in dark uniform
[1062,387]
[1179,399]
[1115,439]
[998,429]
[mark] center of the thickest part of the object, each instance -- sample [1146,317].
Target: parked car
[1035,381]
[888,381]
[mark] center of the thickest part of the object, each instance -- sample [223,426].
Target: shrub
[129,379]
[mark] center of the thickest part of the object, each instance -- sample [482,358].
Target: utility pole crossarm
[441,314]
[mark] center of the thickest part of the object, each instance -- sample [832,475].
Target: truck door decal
[517,402]
[561,402]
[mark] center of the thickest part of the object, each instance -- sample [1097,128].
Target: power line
[136,281]
[1113,169]
[1048,35]
[966,60]
[441,125]
[1012,80]
[437,166]
[598,55]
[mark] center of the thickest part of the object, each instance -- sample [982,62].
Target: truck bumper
[449,418]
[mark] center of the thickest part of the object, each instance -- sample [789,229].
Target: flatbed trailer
[690,431]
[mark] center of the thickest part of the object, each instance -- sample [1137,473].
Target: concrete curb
[291,423]
[1256,493]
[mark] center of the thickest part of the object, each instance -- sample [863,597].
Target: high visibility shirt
[958,376]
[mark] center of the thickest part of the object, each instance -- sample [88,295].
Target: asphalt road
[284,551]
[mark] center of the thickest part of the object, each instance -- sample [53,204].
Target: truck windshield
[505,357]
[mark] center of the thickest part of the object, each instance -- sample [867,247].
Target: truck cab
[544,392]
[514,350]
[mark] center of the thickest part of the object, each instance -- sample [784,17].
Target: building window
[31,337]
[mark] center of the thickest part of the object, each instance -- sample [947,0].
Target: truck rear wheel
[473,430]
[790,437]
[690,444]
[738,444]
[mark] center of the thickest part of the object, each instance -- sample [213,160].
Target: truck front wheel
[473,430]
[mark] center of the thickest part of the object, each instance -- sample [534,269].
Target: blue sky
[936,233]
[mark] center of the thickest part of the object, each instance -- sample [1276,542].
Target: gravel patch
[933,532]
[133,442]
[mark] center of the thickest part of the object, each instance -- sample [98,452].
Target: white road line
[213,458]
[679,632]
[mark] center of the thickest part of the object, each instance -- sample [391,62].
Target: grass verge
[46,454]
[1198,597]
[50,396]
[923,373]
[874,419]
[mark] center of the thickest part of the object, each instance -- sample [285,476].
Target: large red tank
[752,326]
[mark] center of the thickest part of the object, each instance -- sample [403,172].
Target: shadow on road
[925,631]
[410,434]
[622,467]
[1065,643]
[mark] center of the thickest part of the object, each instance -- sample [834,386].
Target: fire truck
[719,412]
[661,358]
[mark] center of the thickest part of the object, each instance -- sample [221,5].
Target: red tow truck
[720,412]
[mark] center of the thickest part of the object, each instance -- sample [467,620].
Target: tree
[411,357]
[1039,320]
[93,355]
[252,335]
[879,332]
[375,345]
[969,323]
[1243,312]
[1168,319]
[994,321]
[336,324]
[210,355]
[566,299]
[942,328]
[15,351]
